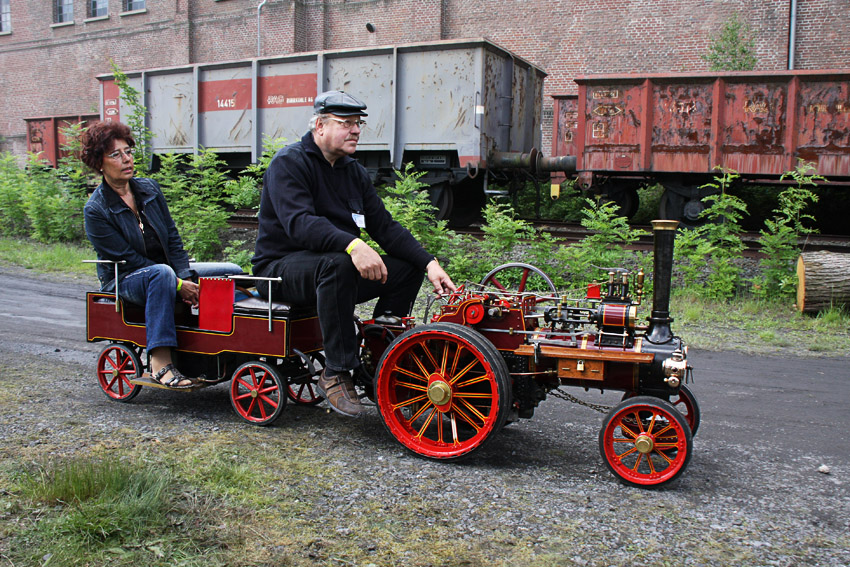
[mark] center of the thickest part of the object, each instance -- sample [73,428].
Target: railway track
[568,233]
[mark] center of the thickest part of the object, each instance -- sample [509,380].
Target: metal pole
[259,7]
[792,35]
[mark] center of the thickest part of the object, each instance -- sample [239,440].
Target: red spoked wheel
[645,442]
[116,366]
[443,390]
[518,278]
[257,393]
[304,371]
[685,403]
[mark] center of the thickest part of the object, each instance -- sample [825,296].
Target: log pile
[823,280]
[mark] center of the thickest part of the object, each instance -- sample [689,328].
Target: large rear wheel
[443,390]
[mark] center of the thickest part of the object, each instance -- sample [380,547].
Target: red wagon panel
[758,124]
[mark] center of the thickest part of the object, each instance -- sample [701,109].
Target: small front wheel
[257,393]
[645,442]
[116,366]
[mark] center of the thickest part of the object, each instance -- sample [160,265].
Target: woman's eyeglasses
[118,153]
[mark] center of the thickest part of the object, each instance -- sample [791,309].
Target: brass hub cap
[644,443]
[440,393]
[254,393]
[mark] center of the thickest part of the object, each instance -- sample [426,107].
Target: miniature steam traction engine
[489,356]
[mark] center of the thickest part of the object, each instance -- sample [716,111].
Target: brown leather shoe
[338,390]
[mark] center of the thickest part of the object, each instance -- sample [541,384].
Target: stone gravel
[538,494]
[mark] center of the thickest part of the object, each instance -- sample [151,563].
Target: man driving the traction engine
[316,199]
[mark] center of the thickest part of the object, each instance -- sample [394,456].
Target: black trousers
[332,283]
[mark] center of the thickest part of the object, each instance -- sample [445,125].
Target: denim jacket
[114,232]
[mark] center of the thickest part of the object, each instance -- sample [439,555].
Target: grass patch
[108,511]
[48,258]
[758,327]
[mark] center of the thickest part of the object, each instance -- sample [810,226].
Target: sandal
[176,378]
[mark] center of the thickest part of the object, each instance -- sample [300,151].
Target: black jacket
[307,204]
[114,231]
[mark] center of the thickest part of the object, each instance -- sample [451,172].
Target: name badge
[359,220]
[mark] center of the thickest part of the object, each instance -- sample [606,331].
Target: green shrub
[780,237]
[53,204]
[712,251]
[194,189]
[244,191]
[408,202]
[13,182]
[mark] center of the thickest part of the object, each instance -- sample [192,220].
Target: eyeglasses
[118,153]
[349,124]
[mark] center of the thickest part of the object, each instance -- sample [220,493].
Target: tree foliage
[733,49]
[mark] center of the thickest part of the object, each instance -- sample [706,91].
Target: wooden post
[823,280]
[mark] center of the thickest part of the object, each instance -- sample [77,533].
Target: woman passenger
[127,218]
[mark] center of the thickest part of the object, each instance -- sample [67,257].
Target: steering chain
[558,393]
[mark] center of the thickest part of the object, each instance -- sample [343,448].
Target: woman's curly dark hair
[98,139]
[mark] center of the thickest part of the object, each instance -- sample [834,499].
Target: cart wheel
[116,366]
[256,393]
[685,403]
[443,390]
[518,278]
[645,441]
[301,383]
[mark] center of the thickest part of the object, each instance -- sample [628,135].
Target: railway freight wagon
[459,110]
[674,129]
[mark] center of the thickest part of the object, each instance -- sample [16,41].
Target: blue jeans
[155,287]
[331,283]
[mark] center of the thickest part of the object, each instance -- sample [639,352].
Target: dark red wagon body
[677,129]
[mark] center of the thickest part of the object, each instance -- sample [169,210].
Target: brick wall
[823,34]
[49,70]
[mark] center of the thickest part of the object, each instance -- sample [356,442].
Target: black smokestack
[662,276]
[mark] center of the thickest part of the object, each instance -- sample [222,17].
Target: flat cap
[339,103]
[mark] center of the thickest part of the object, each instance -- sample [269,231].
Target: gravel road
[768,484]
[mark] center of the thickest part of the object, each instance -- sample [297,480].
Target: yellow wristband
[351,246]
[179,284]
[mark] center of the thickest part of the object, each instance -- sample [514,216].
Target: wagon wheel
[442,199]
[257,393]
[443,390]
[116,366]
[518,278]
[645,441]
[685,403]
[301,382]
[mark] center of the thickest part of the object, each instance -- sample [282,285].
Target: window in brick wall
[98,8]
[5,16]
[130,5]
[63,11]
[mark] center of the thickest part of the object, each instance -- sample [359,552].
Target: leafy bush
[194,189]
[135,119]
[713,248]
[244,191]
[13,181]
[734,48]
[780,237]
[408,202]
